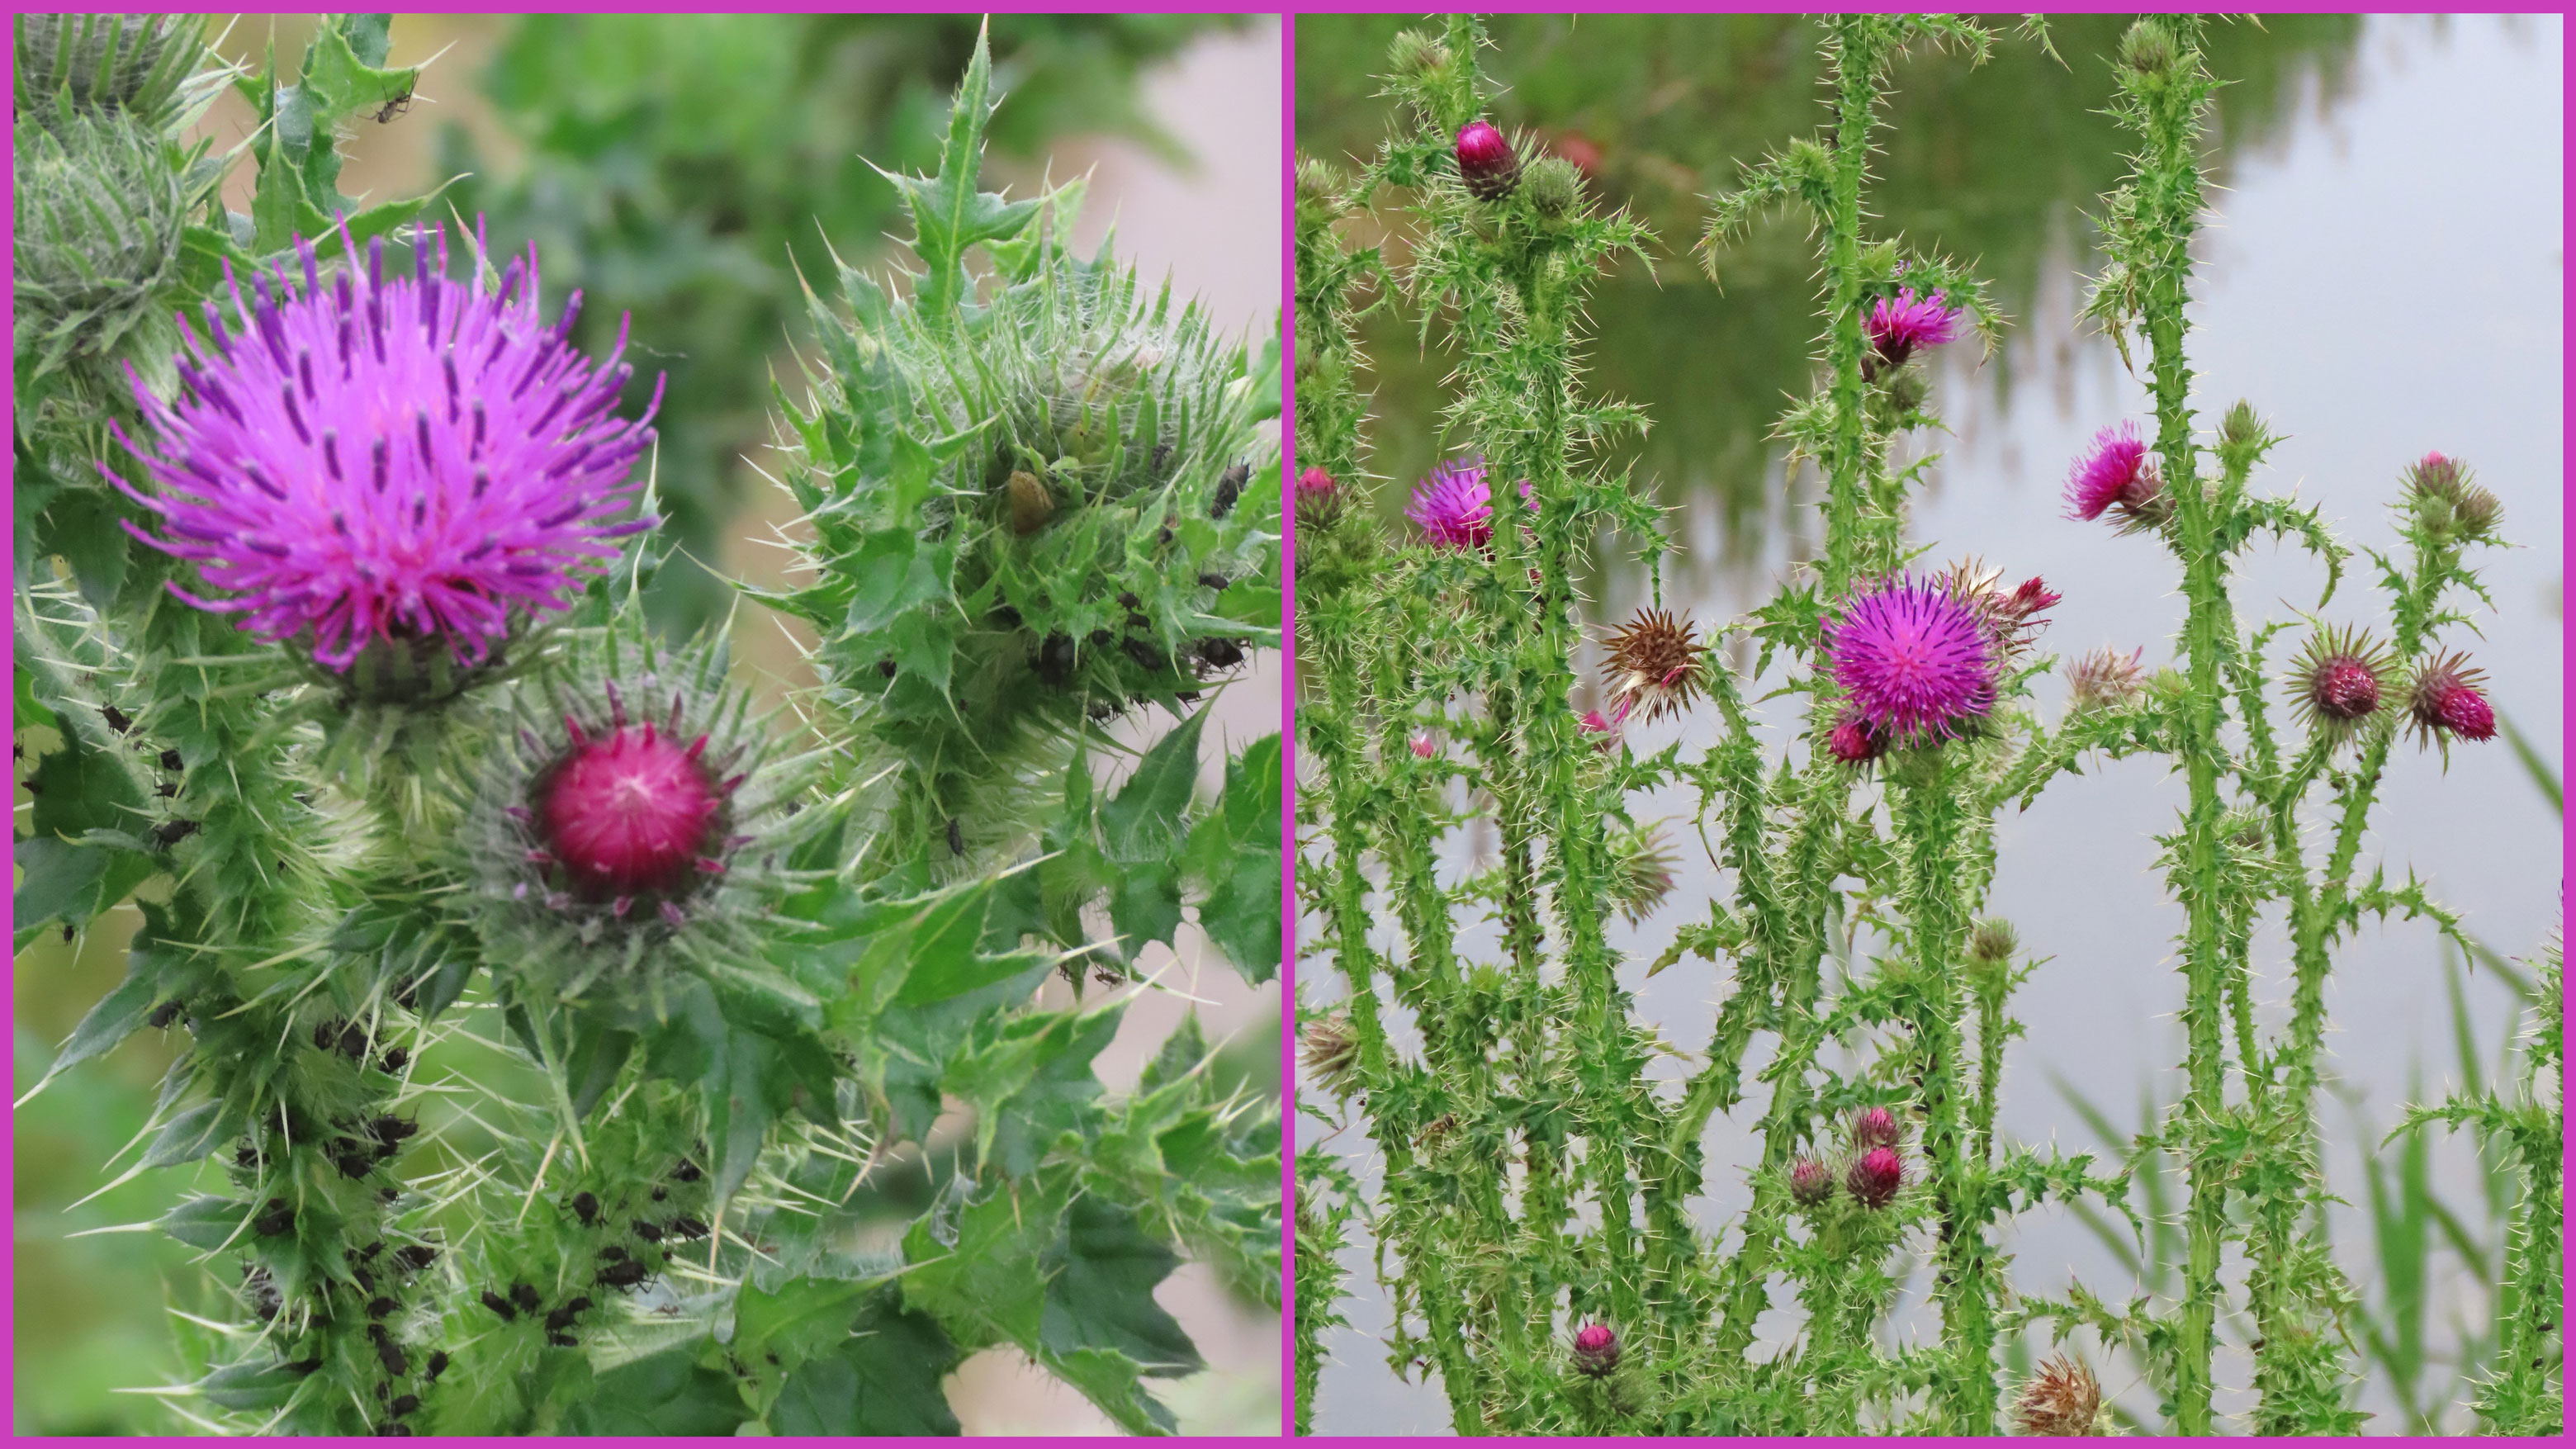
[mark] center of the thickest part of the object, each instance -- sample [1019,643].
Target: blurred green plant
[687,169]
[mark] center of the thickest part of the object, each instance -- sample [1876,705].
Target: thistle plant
[1850,744]
[559,1025]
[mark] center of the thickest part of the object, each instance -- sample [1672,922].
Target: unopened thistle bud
[1319,500]
[1319,188]
[2241,428]
[1993,940]
[1487,162]
[1810,1184]
[1853,741]
[2339,681]
[2062,1400]
[630,822]
[1875,1177]
[69,64]
[2446,701]
[1641,872]
[1555,187]
[2149,47]
[1413,54]
[100,214]
[1331,1053]
[2104,679]
[2447,504]
[1596,1350]
[1875,1127]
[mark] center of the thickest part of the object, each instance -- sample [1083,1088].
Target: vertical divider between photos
[1287,726]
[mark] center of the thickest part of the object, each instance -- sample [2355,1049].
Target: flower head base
[1596,1350]
[2339,681]
[1453,506]
[1654,664]
[1876,1127]
[1331,1052]
[2104,679]
[1319,500]
[1487,162]
[2447,504]
[1810,1184]
[1641,872]
[1875,1177]
[2063,1400]
[1853,740]
[2117,476]
[628,822]
[1917,663]
[413,462]
[1900,324]
[2446,701]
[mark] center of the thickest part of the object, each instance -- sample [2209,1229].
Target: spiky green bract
[1035,500]
[628,953]
[147,67]
[101,210]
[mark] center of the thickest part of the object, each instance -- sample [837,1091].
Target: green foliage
[687,170]
[493,1156]
[1537,1176]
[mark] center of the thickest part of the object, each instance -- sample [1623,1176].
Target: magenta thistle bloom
[1424,747]
[2447,702]
[1596,1350]
[1875,1176]
[2116,475]
[1876,1127]
[406,459]
[1915,661]
[1453,506]
[1900,324]
[1603,730]
[1486,161]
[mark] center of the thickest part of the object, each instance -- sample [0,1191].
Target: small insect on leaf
[499,1305]
[586,1208]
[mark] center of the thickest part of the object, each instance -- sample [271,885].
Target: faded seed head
[1654,664]
[2104,678]
[1331,1052]
[2061,1400]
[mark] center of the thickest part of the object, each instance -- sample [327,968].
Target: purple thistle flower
[1914,660]
[2116,474]
[1810,1184]
[1899,324]
[1453,506]
[1876,1127]
[409,460]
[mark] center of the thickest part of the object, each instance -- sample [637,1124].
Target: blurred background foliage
[682,169]
[1660,110]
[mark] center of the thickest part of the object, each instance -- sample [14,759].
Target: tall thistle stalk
[1536,1215]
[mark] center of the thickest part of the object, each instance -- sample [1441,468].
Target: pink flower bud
[1854,742]
[2447,701]
[1809,1183]
[630,812]
[1486,161]
[1423,746]
[1596,1350]
[1876,1127]
[1875,1177]
[1319,499]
